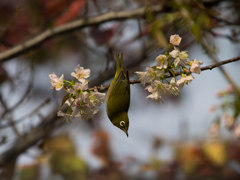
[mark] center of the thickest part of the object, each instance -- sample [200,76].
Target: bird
[118,97]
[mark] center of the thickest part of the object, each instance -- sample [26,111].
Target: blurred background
[191,136]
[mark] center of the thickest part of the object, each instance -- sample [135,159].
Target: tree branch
[210,67]
[24,96]
[74,25]
[35,111]
[214,58]
[29,139]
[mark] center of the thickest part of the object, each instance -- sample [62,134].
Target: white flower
[195,66]
[184,80]
[78,87]
[173,81]
[80,73]
[173,88]
[161,87]
[174,53]
[181,57]
[143,77]
[157,88]
[162,61]
[66,109]
[97,98]
[175,39]
[181,82]
[81,86]
[56,82]
[155,96]
[177,62]
[80,104]
[153,74]
[189,78]
[83,105]
[85,96]
[150,75]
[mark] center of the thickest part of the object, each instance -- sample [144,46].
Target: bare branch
[35,111]
[210,67]
[72,26]
[29,139]
[214,58]
[10,120]
[24,96]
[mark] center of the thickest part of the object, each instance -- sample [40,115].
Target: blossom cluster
[228,110]
[79,101]
[170,64]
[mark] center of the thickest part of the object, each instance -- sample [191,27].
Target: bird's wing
[118,98]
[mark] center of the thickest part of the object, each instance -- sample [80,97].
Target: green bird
[118,97]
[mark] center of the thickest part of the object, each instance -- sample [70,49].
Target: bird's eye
[122,123]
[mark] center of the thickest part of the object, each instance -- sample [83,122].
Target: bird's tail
[119,61]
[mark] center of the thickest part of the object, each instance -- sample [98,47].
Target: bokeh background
[180,137]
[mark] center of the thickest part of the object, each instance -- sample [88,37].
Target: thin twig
[36,110]
[10,120]
[29,139]
[210,67]
[24,96]
[72,26]
[214,58]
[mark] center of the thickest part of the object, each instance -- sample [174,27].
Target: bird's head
[121,121]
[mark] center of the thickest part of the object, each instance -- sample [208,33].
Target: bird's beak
[126,133]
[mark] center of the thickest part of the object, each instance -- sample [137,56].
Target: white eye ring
[122,123]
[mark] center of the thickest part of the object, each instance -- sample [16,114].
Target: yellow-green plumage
[118,97]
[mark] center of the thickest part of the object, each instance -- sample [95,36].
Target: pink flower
[195,66]
[181,57]
[175,39]
[80,73]
[174,53]
[184,80]
[56,82]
